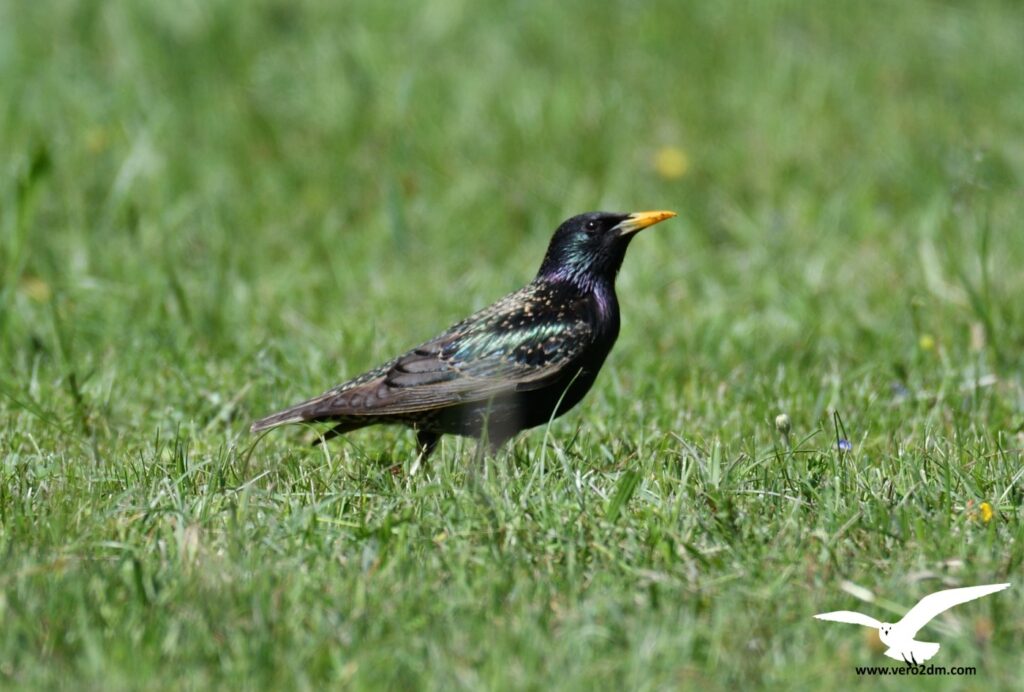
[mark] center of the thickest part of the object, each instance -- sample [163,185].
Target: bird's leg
[479,455]
[490,443]
[495,443]
[914,660]
[339,429]
[426,441]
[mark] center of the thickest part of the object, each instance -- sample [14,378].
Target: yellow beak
[641,220]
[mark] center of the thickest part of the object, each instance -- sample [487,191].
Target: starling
[521,362]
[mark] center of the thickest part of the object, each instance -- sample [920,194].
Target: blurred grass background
[209,210]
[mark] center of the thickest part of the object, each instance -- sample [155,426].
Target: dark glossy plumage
[518,363]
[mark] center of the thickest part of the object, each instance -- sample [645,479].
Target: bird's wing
[849,617]
[932,605]
[522,342]
[474,366]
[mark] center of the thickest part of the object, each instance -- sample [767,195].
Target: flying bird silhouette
[899,637]
[524,360]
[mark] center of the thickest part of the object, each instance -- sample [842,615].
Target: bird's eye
[590,226]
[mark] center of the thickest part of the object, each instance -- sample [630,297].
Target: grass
[209,211]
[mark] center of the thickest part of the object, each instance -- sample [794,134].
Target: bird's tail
[305,412]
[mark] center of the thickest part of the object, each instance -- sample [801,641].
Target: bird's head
[885,628]
[591,246]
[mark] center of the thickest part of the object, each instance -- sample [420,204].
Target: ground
[210,210]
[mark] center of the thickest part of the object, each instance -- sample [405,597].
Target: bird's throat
[606,302]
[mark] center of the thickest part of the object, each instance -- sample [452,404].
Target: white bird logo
[899,637]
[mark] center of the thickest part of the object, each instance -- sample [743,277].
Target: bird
[524,360]
[899,637]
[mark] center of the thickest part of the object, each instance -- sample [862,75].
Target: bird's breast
[605,306]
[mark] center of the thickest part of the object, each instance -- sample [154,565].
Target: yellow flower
[985,510]
[35,288]
[671,163]
[926,342]
[96,140]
